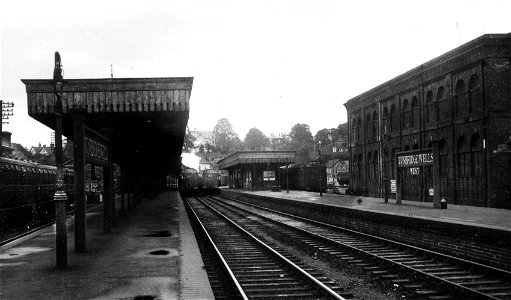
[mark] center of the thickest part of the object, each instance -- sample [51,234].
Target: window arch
[353,130]
[386,121]
[476,163]
[443,109]
[368,127]
[405,111]
[415,114]
[460,101]
[375,165]
[429,111]
[360,166]
[359,126]
[369,166]
[474,95]
[463,163]
[375,125]
[394,119]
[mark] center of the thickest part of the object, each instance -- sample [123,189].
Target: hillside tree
[255,140]
[225,138]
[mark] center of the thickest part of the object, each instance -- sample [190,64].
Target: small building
[255,170]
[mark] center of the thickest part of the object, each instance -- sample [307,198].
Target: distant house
[202,138]
[204,165]
[41,150]
[276,141]
[20,152]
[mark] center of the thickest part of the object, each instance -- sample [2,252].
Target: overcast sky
[265,64]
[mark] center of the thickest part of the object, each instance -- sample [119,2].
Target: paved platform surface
[128,263]
[470,215]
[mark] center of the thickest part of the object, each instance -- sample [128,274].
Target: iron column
[319,168]
[60,197]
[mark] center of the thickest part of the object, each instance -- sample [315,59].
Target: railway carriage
[304,177]
[26,193]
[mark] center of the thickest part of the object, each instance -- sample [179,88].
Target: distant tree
[226,140]
[255,140]
[342,135]
[325,136]
[299,136]
[300,140]
[188,141]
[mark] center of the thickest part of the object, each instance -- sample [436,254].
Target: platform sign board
[96,148]
[269,175]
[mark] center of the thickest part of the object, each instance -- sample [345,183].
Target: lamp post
[60,196]
[319,169]
[287,176]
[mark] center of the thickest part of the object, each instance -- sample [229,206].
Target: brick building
[462,100]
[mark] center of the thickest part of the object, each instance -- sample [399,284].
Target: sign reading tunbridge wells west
[419,170]
[415,158]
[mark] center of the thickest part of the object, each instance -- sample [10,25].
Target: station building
[255,170]
[460,100]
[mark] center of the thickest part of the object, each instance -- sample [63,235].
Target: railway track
[417,272]
[255,268]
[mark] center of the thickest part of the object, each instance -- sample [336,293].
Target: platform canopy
[146,118]
[256,157]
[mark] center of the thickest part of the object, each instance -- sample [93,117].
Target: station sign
[95,147]
[415,158]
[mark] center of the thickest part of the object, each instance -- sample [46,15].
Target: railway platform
[493,218]
[151,254]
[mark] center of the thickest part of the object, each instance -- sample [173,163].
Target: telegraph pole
[6,112]
[60,197]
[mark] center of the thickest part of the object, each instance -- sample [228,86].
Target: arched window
[415,146]
[476,163]
[407,148]
[353,130]
[375,125]
[407,118]
[475,104]
[369,166]
[463,162]
[359,128]
[368,127]
[443,109]
[393,163]
[429,111]
[387,167]
[375,164]
[386,121]
[394,119]
[460,99]
[359,166]
[415,114]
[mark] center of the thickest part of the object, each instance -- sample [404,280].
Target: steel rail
[390,261]
[217,251]
[309,277]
